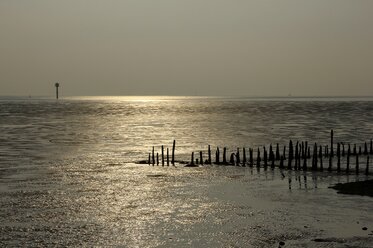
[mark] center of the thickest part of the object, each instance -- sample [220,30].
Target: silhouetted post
[270,152]
[354,150]
[217,159]
[162,156]
[238,157]
[173,153]
[281,162]
[209,151]
[258,158]
[157,159]
[225,155]
[296,157]
[302,150]
[338,157]
[314,164]
[291,156]
[367,168]
[168,158]
[244,157]
[149,159]
[309,152]
[331,143]
[305,161]
[330,163]
[277,152]
[192,159]
[200,158]
[153,159]
[320,156]
[57,85]
[348,159]
[357,164]
[231,160]
[284,153]
[251,157]
[265,157]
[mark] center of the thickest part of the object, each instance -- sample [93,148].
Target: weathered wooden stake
[296,157]
[331,143]
[357,164]
[244,157]
[265,157]
[162,156]
[231,160]
[225,155]
[217,159]
[157,159]
[200,158]
[281,162]
[258,158]
[251,151]
[153,156]
[168,158]
[209,151]
[367,168]
[338,157]
[284,153]
[238,161]
[354,152]
[173,153]
[192,159]
[149,159]
[320,156]
[348,159]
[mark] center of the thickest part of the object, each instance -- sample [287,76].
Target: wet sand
[131,205]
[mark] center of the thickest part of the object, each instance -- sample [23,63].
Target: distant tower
[57,85]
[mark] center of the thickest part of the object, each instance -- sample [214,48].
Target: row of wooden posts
[300,154]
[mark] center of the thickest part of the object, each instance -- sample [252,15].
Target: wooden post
[251,157]
[270,152]
[258,158]
[291,155]
[302,149]
[320,156]
[231,160]
[367,168]
[217,159]
[168,158]
[273,160]
[354,150]
[149,159]
[244,157]
[162,156]
[284,153]
[173,153]
[309,152]
[330,163]
[238,161]
[314,164]
[153,159]
[277,152]
[225,155]
[339,158]
[209,151]
[296,157]
[281,162]
[265,157]
[348,159]
[157,159]
[305,161]
[331,143]
[305,149]
[357,164]
[57,85]
[200,158]
[192,159]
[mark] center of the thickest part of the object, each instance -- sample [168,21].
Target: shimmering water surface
[67,173]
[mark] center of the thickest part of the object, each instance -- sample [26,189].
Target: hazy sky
[187,47]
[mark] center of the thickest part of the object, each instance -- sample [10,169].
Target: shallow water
[67,173]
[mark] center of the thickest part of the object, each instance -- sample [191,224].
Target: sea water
[68,174]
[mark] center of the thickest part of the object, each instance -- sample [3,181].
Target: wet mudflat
[144,206]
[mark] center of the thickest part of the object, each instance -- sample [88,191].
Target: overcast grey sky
[187,47]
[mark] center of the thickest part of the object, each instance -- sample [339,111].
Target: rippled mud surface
[144,206]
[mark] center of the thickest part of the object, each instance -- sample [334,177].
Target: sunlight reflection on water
[67,175]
